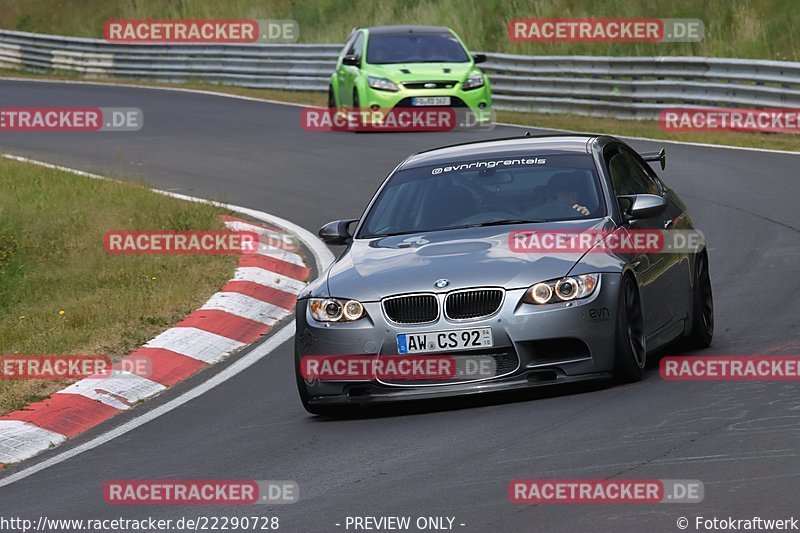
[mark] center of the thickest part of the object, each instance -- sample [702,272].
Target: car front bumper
[477,101]
[555,343]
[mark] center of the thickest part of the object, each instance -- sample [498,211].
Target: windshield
[486,192]
[415,48]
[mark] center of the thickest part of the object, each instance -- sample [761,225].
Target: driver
[563,189]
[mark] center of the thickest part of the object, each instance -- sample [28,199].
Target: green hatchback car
[388,67]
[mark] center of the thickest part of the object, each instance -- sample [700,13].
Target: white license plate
[430,101]
[444,341]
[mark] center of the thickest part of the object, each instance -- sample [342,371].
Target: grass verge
[742,28]
[611,126]
[61,294]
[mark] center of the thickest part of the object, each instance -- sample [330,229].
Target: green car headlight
[382,84]
[562,290]
[336,310]
[473,82]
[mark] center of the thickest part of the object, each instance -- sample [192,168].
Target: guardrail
[622,87]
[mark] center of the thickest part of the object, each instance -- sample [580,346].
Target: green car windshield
[415,48]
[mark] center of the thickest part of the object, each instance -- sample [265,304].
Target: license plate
[444,341]
[430,101]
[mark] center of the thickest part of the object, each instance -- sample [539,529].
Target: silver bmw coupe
[500,265]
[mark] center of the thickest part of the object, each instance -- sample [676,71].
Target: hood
[375,268]
[406,72]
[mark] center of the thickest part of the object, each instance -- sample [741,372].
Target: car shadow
[418,407]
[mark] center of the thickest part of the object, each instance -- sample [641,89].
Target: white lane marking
[266,249]
[279,253]
[195,343]
[246,306]
[269,279]
[22,440]
[119,384]
[242,225]
[322,256]
[282,335]
[293,104]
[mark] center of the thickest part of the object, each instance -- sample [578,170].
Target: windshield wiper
[479,225]
[395,234]
[508,222]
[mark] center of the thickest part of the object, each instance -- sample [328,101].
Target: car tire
[331,98]
[334,109]
[362,126]
[702,331]
[630,354]
[356,105]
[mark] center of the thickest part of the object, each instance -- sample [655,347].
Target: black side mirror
[479,58]
[640,206]
[353,61]
[337,232]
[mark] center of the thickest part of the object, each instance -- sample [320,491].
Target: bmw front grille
[412,309]
[473,303]
[468,304]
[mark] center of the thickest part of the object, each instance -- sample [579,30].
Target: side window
[348,45]
[654,178]
[628,176]
[358,45]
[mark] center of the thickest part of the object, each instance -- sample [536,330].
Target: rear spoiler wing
[660,156]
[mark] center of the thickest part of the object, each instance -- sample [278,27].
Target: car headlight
[382,84]
[562,290]
[473,82]
[336,310]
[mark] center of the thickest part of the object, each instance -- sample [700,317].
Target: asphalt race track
[443,459]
